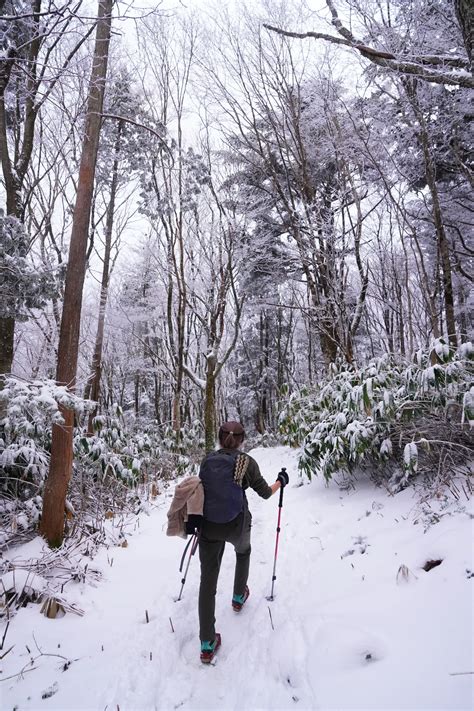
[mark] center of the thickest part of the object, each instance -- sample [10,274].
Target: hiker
[225,475]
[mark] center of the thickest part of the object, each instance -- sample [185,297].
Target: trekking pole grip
[282,488]
[280,501]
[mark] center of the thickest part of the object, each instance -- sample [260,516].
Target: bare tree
[31,39]
[170,63]
[297,175]
[218,309]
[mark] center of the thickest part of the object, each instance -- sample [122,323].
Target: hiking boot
[238,601]
[209,649]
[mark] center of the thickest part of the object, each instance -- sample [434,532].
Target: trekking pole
[280,506]
[193,542]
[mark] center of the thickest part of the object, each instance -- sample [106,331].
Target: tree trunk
[210,404]
[328,338]
[14,168]
[388,324]
[443,244]
[259,418]
[157,398]
[7,324]
[7,335]
[400,319]
[462,315]
[52,523]
[7,338]
[94,380]
[136,394]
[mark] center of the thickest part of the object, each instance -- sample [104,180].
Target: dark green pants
[212,542]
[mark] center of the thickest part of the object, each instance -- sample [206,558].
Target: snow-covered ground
[349,627]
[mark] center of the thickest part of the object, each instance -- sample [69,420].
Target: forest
[260,212]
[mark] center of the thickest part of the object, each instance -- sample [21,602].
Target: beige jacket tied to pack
[188,500]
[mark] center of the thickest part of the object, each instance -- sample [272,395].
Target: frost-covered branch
[151,130]
[201,384]
[31,15]
[423,66]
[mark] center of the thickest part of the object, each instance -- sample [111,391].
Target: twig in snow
[318,538]
[20,673]
[271,619]
[5,653]
[32,661]
[7,605]
[459,673]
[404,574]
[5,634]
[171,623]
[48,654]
[146,617]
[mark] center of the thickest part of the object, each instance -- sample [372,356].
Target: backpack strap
[240,468]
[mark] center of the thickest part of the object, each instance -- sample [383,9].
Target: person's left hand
[193,524]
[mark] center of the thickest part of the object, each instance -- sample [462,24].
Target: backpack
[223,494]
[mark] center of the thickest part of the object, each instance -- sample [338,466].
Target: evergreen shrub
[392,417]
[108,465]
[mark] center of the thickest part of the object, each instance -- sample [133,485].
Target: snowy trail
[346,635]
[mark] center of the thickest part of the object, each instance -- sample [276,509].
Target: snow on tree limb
[425,67]
[30,15]
[195,378]
[126,119]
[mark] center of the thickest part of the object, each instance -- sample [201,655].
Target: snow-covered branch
[440,69]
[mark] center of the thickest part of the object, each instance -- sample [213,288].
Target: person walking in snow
[225,475]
